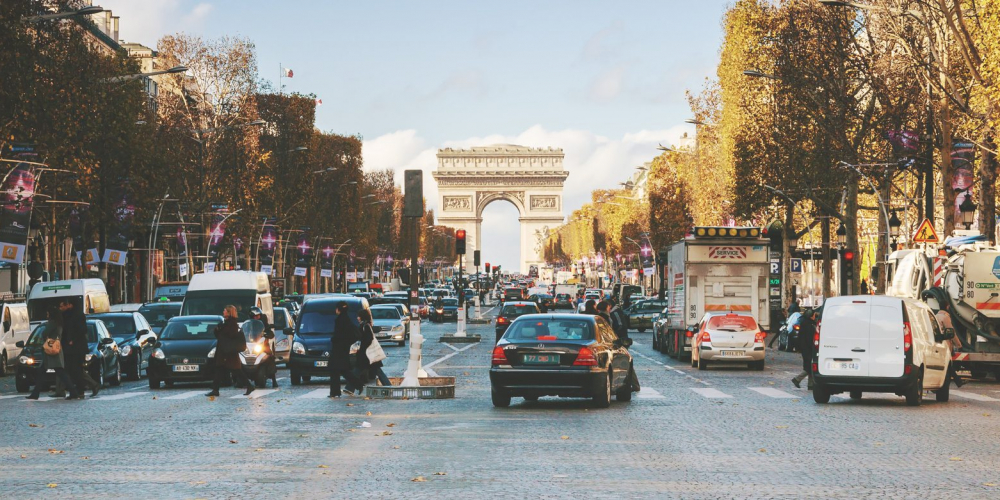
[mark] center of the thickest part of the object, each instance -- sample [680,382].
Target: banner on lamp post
[962,155]
[117,248]
[326,262]
[15,215]
[268,244]
[77,221]
[304,252]
[182,251]
[216,231]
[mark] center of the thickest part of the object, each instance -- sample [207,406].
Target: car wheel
[821,394]
[702,364]
[603,398]
[782,345]
[3,364]
[856,394]
[21,385]
[941,395]
[295,378]
[154,383]
[642,330]
[99,376]
[625,393]
[500,399]
[915,395]
[306,379]
[117,380]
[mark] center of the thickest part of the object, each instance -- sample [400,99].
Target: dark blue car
[310,356]
[102,361]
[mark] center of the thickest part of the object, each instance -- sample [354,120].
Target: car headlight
[298,348]
[25,360]
[127,350]
[397,328]
[258,348]
[88,357]
[211,354]
[158,354]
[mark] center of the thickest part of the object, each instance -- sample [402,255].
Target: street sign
[926,233]
[796,265]
[775,267]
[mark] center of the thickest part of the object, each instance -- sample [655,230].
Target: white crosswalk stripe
[120,396]
[8,396]
[710,393]
[316,394]
[647,393]
[973,396]
[259,393]
[771,392]
[185,395]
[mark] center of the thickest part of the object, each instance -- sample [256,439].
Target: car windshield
[280,322]
[214,301]
[652,306]
[450,302]
[121,326]
[732,323]
[190,330]
[385,313]
[38,309]
[562,296]
[157,315]
[518,310]
[551,329]
[319,319]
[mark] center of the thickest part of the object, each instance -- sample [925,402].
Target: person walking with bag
[345,334]
[370,355]
[75,348]
[54,357]
[807,330]
[229,344]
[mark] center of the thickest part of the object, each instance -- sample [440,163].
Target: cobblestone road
[722,433]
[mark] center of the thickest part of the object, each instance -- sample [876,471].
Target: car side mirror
[141,333]
[949,333]
[19,344]
[107,341]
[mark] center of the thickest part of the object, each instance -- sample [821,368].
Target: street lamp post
[968,209]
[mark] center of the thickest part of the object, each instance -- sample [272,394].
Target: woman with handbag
[229,344]
[370,355]
[54,359]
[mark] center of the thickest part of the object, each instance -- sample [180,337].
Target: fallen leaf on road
[154,397]
[762,450]
[55,452]
[233,441]
[352,430]
[259,449]
[198,482]
[465,373]
[419,479]
[781,427]
[564,437]
[368,413]
[386,433]
[84,458]
[394,447]
[440,473]
[989,484]
[390,425]
[33,425]
[879,444]
[955,459]
[53,485]
[323,466]
[367,398]
[350,404]
[771,383]
[986,414]
[211,398]
[24,456]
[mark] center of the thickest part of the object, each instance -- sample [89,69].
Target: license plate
[186,368]
[732,353]
[541,359]
[843,365]
[321,364]
[50,370]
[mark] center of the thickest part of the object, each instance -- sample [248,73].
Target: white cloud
[593,161]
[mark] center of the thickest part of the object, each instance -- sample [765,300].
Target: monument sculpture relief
[458,203]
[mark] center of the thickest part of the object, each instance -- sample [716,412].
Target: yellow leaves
[52,485]
[419,479]
[322,466]
[55,451]
[440,473]
[233,441]
[34,425]
[390,425]
[955,459]
[564,437]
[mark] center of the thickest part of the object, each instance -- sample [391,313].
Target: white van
[209,293]
[877,343]
[90,294]
[15,328]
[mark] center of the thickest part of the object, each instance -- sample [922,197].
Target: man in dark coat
[807,331]
[228,346]
[75,347]
[345,334]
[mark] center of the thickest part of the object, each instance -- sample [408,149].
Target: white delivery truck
[209,293]
[90,294]
[715,269]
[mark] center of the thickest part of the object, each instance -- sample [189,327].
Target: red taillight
[907,369]
[907,337]
[499,357]
[546,337]
[796,327]
[815,367]
[585,358]
[706,338]
[502,320]
[689,334]
[759,337]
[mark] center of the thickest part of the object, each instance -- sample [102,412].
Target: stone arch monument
[529,178]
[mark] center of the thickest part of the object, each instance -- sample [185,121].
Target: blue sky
[604,80]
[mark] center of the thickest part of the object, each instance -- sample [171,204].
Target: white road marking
[452,347]
[709,392]
[42,398]
[973,396]
[8,396]
[445,358]
[316,394]
[771,392]
[647,393]
[120,396]
[136,388]
[259,393]
[185,395]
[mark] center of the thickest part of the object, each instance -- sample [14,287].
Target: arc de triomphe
[530,178]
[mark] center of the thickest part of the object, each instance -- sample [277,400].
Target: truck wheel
[603,398]
[821,394]
[295,378]
[855,394]
[916,393]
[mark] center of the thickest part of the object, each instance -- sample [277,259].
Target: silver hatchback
[728,337]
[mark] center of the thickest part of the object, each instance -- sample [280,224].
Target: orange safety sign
[926,233]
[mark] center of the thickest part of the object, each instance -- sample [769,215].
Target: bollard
[414,368]
[478,314]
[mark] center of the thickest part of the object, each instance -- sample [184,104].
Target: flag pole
[280,74]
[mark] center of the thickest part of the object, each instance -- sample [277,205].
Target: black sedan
[134,337]
[448,311]
[512,311]
[565,355]
[102,361]
[543,300]
[184,352]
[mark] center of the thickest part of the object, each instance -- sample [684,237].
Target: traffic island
[430,388]
[465,339]
[480,321]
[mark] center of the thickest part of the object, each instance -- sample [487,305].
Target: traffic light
[460,242]
[847,271]
[475,258]
[487,268]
